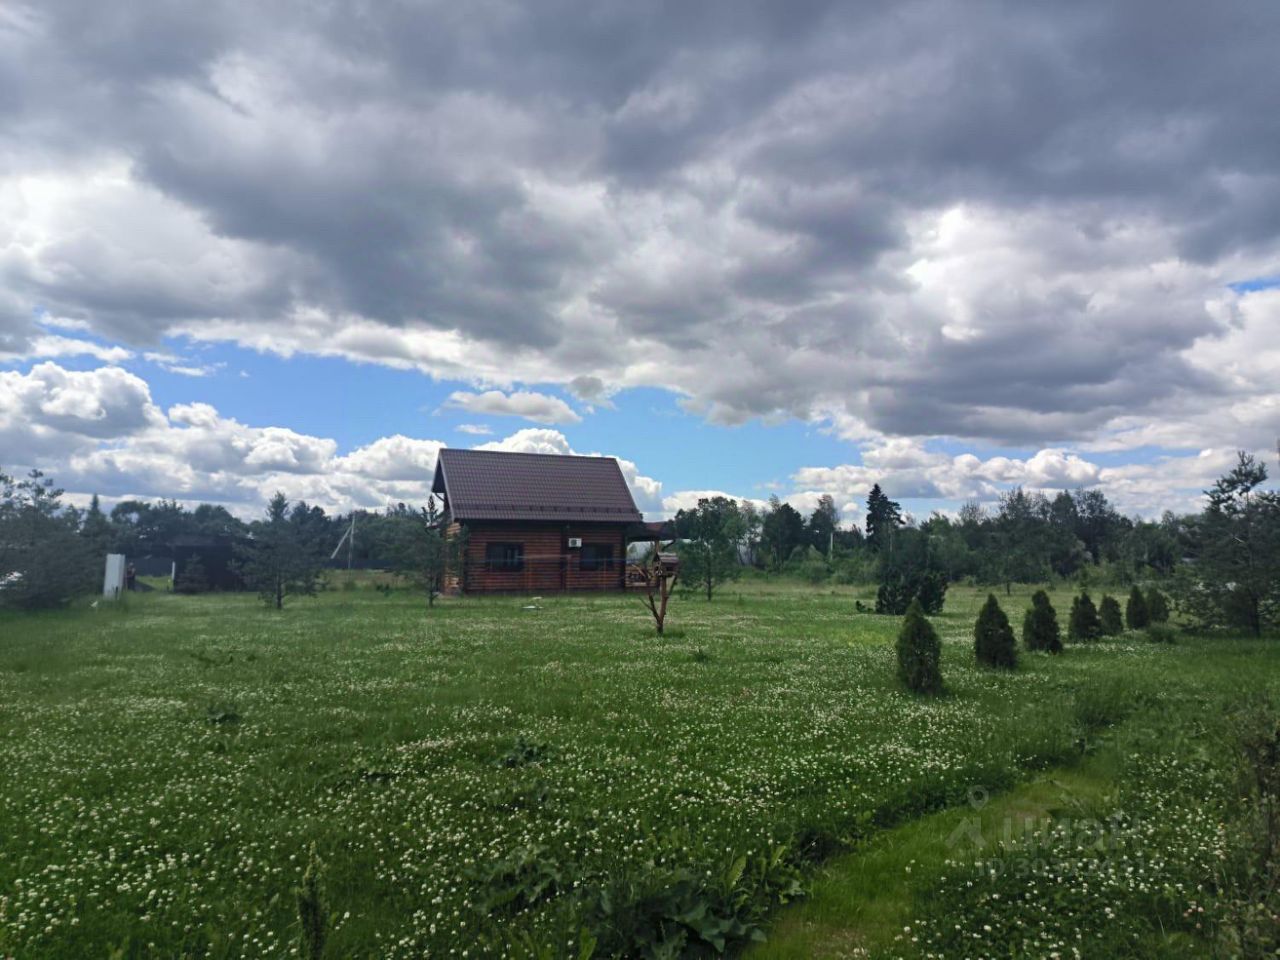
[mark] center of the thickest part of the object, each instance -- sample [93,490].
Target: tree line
[1026,538]
[140,528]
[1222,564]
[52,552]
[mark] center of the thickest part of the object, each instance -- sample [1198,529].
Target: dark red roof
[494,485]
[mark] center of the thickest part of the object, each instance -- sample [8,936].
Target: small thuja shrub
[313,910]
[932,592]
[1157,606]
[1136,614]
[1109,617]
[993,639]
[1161,633]
[1040,625]
[1084,624]
[919,653]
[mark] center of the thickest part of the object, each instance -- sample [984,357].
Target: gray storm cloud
[996,220]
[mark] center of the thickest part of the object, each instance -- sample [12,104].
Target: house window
[504,557]
[596,556]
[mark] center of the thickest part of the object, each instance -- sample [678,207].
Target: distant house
[537,522]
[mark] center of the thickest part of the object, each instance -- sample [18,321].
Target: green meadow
[547,778]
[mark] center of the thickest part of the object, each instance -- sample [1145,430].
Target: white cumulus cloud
[538,407]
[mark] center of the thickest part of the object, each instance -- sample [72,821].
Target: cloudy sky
[792,247]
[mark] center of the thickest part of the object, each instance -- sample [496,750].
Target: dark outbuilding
[215,555]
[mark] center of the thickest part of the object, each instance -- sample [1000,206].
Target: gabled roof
[494,485]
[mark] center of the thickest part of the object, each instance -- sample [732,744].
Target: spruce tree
[1109,617]
[1084,624]
[1040,625]
[883,517]
[96,529]
[919,653]
[1136,614]
[993,639]
[1157,606]
[280,560]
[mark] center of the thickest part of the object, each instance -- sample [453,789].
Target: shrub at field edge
[993,639]
[1136,614]
[1084,624]
[1109,617]
[919,653]
[1040,625]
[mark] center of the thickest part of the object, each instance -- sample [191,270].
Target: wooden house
[536,522]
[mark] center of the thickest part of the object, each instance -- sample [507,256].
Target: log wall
[549,565]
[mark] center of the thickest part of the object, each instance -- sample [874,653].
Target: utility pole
[349,537]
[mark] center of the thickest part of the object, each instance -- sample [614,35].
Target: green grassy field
[485,779]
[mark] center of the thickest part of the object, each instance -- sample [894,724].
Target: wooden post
[660,577]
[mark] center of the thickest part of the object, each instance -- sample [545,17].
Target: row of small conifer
[920,650]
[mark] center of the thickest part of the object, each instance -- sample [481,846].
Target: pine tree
[1157,606]
[44,561]
[281,560]
[1040,625]
[1084,624]
[1109,617]
[1235,581]
[901,586]
[1136,614]
[919,653]
[709,551]
[994,642]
